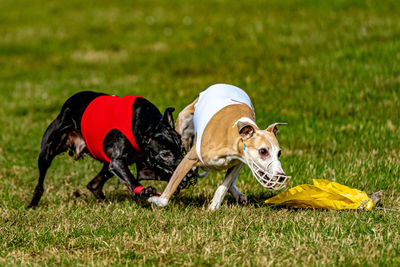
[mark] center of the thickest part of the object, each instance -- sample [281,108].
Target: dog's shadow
[185,200]
[181,200]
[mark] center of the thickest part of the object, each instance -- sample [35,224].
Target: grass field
[331,69]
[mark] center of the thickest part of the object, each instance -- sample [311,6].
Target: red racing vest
[104,114]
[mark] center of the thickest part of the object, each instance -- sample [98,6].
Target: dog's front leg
[118,148]
[230,177]
[119,168]
[183,168]
[235,192]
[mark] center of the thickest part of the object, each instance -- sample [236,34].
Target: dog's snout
[280,174]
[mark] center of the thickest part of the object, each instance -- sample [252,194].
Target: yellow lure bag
[323,194]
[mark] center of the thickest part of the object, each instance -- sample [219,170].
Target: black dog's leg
[121,153]
[96,185]
[119,167]
[44,163]
[153,173]
[54,142]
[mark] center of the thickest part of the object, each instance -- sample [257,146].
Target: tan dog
[226,137]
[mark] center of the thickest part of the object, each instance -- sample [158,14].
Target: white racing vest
[212,100]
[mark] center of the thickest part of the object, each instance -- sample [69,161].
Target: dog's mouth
[280,178]
[267,179]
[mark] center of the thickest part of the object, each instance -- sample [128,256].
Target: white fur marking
[223,188]
[218,197]
[220,163]
[159,201]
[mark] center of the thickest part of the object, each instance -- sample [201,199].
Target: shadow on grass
[181,199]
[256,200]
[184,199]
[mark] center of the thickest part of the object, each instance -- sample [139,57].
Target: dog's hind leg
[54,142]
[96,184]
[44,163]
[230,177]
[184,125]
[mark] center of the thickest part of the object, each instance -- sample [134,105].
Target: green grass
[329,68]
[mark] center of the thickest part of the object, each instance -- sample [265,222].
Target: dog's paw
[159,201]
[242,199]
[98,193]
[148,192]
[214,206]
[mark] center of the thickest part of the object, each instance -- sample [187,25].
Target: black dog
[157,152]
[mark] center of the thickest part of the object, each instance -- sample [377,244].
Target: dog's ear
[273,127]
[245,130]
[168,118]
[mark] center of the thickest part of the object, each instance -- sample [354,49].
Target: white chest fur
[222,163]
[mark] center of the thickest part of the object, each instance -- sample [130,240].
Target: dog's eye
[263,151]
[279,153]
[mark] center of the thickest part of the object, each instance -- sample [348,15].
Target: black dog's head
[164,147]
